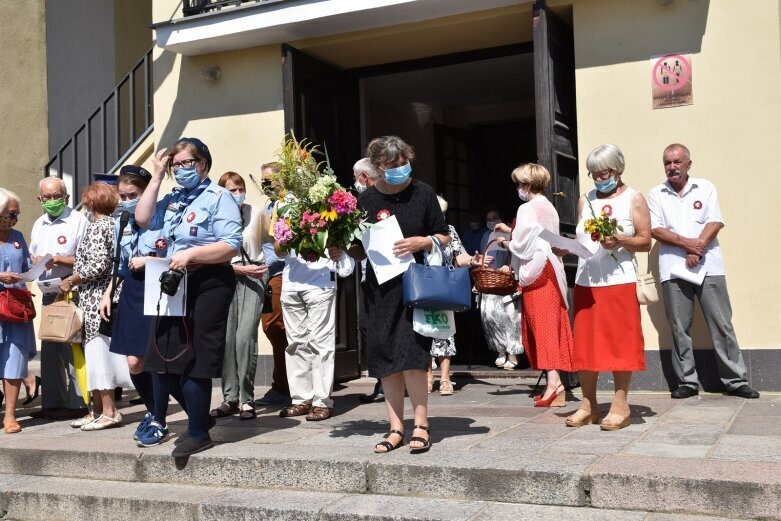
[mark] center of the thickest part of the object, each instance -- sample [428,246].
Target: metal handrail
[126,105]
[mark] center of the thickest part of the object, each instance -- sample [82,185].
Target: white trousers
[310,324]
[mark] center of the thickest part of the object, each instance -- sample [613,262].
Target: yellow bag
[80,366]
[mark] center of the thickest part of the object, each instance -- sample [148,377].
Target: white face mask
[491,225]
[523,195]
[359,187]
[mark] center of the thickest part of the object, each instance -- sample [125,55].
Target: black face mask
[7,222]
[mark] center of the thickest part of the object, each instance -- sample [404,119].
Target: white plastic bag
[434,323]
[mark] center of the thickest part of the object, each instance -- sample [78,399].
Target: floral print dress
[447,346]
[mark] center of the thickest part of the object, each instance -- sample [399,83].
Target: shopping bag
[434,323]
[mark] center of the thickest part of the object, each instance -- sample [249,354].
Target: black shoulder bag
[106,327]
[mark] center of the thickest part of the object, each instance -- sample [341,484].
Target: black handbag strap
[124,218]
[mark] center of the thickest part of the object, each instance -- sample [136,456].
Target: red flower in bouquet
[603,226]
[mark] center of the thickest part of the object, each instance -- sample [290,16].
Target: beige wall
[23,107]
[733,128]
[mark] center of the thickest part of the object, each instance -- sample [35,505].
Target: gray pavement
[494,456]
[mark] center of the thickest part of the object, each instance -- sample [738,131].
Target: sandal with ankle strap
[426,442]
[388,445]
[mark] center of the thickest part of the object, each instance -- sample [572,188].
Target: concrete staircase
[507,462]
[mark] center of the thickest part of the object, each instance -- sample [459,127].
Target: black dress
[391,344]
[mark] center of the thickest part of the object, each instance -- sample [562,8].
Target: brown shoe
[319,413]
[295,410]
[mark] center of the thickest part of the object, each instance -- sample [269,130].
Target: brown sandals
[224,409]
[299,409]
[319,413]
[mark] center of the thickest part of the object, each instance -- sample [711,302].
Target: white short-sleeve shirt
[60,236]
[686,214]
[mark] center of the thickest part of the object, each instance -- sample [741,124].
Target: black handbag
[437,287]
[106,326]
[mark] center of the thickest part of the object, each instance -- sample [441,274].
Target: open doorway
[470,123]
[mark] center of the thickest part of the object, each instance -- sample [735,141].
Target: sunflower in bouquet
[315,212]
[601,227]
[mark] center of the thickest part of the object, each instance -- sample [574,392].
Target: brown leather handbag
[61,321]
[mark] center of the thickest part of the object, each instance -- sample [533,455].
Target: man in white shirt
[57,232]
[686,219]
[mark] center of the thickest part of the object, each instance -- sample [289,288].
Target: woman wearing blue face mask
[241,343]
[200,226]
[130,327]
[396,353]
[608,334]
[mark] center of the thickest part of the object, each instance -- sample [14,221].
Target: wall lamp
[211,73]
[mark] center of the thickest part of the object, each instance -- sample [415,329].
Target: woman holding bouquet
[608,335]
[545,326]
[396,354]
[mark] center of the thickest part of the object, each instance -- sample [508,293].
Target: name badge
[193,231]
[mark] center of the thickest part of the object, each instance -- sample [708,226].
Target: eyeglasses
[604,174]
[13,215]
[187,163]
[52,197]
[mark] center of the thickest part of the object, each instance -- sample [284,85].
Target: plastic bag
[434,323]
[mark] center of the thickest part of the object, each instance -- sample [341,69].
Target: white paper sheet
[175,306]
[694,275]
[378,242]
[565,243]
[37,269]
[49,286]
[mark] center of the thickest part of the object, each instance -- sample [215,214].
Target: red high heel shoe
[557,399]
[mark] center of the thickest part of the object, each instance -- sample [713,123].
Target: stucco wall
[23,134]
[732,129]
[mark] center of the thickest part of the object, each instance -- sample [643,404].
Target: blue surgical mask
[606,186]
[239,198]
[128,206]
[187,178]
[398,175]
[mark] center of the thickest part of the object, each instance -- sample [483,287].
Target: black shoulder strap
[124,218]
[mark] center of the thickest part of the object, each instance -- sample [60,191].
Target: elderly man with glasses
[57,232]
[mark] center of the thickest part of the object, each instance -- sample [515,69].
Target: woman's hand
[137,263]
[160,164]
[501,227]
[9,277]
[558,252]
[334,253]
[506,269]
[67,284]
[411,245]
[255,271]
[105,306]
[181,260]
[610,243]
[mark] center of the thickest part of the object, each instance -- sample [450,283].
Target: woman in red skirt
[545,326]
[608,335]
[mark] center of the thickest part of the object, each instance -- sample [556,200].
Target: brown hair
[101,196]
[536,176]
[274,166]
[132,179]
[232,177]
[388,149]
[192,149]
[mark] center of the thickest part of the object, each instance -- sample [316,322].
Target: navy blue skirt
[131,327]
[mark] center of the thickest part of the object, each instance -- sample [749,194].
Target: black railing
[193,7]
[111,133]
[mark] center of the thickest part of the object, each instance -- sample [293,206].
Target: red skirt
[545,327]
[608,334]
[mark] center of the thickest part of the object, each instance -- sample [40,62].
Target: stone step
[708,487]
[24,497]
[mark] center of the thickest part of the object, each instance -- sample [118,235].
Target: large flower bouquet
[603,226]
[315,211]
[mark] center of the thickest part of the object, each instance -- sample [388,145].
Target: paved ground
[711,454]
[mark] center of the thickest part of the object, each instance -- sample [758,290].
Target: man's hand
[692,260]
[694,246]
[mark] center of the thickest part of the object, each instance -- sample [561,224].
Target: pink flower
[313,231]
[282,231]
[320,223]
[343,202]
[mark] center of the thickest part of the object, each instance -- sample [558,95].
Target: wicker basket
[493,281]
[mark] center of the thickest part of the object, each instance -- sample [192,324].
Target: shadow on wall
[618,38]
[242,89]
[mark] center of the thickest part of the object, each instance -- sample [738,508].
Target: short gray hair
[46,179]
[682,148]
[606,157]
[5,196]
[365,165]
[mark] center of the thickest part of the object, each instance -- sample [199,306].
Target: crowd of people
[220,253]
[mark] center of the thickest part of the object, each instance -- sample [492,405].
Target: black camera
[169,281]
